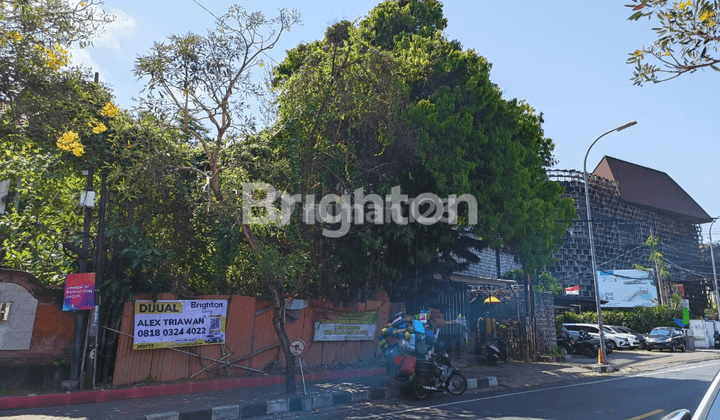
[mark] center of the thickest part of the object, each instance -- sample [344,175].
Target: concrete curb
[602,368]
[107,395]
[304,403]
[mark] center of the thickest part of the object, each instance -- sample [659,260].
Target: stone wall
[493,264]
[619,230]
[546,334]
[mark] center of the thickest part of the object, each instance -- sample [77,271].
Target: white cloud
[123,26]
[82,58]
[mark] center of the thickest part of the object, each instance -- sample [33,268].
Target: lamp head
[626,125]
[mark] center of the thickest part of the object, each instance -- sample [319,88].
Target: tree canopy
[687,39]
[390,101]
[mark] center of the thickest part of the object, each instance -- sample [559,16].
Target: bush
[639,319]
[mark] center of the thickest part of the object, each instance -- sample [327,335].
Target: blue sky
[566,58]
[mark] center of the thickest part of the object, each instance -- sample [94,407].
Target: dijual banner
[179,323]
[346,326]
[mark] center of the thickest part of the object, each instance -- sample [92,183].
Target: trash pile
[408,338]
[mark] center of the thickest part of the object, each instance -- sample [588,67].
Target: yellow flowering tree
[70,140]
[35,38]
[687,39]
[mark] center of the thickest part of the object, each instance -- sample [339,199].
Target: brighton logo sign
[260,208]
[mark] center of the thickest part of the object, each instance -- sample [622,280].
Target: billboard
[179,323]
[627,288]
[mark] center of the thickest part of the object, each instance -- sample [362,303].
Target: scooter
[413,359]
[437,375]
[496,351]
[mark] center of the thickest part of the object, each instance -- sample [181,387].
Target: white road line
[533,391]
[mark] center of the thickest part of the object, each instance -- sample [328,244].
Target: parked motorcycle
[608,346]
[437,375]
[496,351]
[584,345]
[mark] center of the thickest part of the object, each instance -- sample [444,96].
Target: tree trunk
[276,289]
[279,325]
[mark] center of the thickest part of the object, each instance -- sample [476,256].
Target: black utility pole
[75,364]
[77,368]
[98,274]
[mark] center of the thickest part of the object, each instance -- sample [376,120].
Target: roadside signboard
[298,347]
[346,326]
[179,323]
[79,292]
[627,288]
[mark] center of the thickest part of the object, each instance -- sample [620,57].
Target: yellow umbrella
[492,299]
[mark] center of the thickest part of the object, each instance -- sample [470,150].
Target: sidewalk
[375,385]
[332,387]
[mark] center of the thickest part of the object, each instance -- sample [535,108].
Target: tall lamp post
[712,259]
[601,353]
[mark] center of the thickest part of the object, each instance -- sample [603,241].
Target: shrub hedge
[639,319]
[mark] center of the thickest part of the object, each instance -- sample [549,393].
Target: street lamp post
[601,353]
[712,259]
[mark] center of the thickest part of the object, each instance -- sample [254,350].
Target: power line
[205,8]
[213,15]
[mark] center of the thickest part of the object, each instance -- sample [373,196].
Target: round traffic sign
[298,347]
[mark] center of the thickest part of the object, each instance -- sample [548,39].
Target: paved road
[649,395]
[645,383]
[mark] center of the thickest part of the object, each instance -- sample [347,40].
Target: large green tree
[391,101]
[203,86]
[687,39]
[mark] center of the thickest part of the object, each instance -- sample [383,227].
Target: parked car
[613,339]
[625,330]
[666,338]
[708,408]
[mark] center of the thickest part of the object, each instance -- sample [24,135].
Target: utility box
[689,343]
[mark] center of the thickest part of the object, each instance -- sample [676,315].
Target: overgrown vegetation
[387,101]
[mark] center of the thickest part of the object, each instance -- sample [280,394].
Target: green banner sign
[346,326]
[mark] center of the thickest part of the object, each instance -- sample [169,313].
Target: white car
[633,340]
[613,339]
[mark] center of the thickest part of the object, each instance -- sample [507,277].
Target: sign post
[298,348]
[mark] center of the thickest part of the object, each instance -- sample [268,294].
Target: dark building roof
[646,187]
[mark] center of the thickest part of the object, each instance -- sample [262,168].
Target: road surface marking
[494,397]
[642,416]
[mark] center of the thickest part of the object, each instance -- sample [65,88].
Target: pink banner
[79,292]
